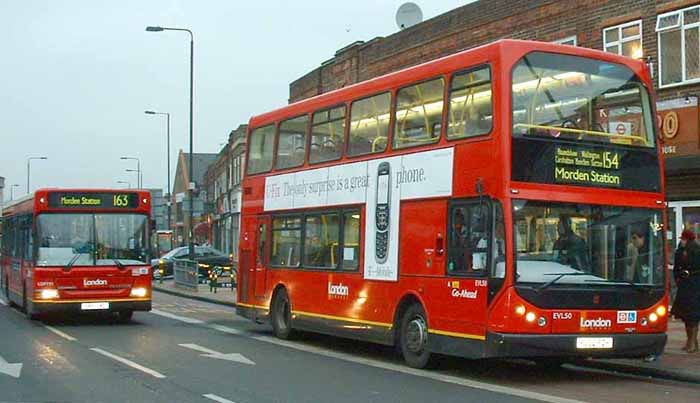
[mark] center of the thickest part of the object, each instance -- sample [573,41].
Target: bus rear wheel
[413,337]
[281,316]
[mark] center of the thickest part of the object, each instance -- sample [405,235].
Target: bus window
[260,152]
[419,114]
[369,124]
[471,109]
[291,143]
[321,238]
[327,135]
[286,241]
[351,240]
[469,238]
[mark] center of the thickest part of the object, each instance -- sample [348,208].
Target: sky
[77,76]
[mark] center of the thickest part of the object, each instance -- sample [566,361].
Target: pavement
[222,296]
[673,364]
[186,350]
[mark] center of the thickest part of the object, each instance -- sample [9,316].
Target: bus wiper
[119,264]
[636,286]
[73,260]
[559,276]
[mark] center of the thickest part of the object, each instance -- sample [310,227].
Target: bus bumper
[564,345]
[40,307]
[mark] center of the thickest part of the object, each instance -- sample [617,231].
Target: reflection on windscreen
[91,239]
[575,98]
[586,244]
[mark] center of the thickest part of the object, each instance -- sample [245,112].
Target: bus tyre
[281,316]
[124,316]
[414,337]
[26,307]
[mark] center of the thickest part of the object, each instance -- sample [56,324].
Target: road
[191,351]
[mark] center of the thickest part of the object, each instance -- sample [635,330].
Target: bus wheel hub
[416,334]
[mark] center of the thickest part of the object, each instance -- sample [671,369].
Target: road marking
[217,398]
[220,356]
[226,329]
[60,333]
[2,302]
[128,362]
[13,370]
[176,317]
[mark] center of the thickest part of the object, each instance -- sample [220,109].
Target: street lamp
[138,170]
[128,184]
[167,200]
[190,186]
[29,167]
[12,193]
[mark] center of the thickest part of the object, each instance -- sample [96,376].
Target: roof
[200,162]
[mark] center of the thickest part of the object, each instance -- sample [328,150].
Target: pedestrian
[686,273]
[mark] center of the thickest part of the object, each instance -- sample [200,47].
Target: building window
[570,40]
[624,39]
[679,46]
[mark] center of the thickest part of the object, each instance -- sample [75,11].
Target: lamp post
[29,168]
[12,193]
[138,176]
[138,170]
[128,184]
[190,186]
[168,202]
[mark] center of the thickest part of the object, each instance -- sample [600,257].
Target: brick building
[665,33]
[222,182]
[180,203]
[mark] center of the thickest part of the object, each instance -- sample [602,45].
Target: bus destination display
[94,200]
[587,167]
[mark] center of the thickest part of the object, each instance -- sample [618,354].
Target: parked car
[207,259]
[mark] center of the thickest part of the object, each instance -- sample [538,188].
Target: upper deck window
[471,109]
[579,99]
[419,114]
[369,125]
[260,151]
[291,144]
[327,135]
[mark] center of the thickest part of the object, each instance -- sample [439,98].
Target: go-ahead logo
[595,323]
[92,283]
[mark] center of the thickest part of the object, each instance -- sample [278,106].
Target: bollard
[161,268]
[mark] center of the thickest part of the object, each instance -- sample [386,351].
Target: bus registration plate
[92,306]
[594,342]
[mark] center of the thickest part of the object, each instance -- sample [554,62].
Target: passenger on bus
[570,249]
[636,269]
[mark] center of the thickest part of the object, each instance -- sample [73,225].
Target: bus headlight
[48,294]
[520,310]
[661,311]
[139,292]
[653,317]
[530,317]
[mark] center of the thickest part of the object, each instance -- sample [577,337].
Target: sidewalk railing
[186,273]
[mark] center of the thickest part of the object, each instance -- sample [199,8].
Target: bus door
[469,258]
[260,258]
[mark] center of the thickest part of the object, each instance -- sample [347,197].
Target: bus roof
[432,68]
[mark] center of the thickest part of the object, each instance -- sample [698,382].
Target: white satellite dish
[408,15]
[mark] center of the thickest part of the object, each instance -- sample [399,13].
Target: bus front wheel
[124,316]
[414,337]
[281,316]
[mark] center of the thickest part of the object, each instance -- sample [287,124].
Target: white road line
[226,329]
[60,333]
[176,317]
[2,302]
[217,398]
[129,363]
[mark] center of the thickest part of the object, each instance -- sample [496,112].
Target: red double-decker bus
[505,201]
[78,250]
